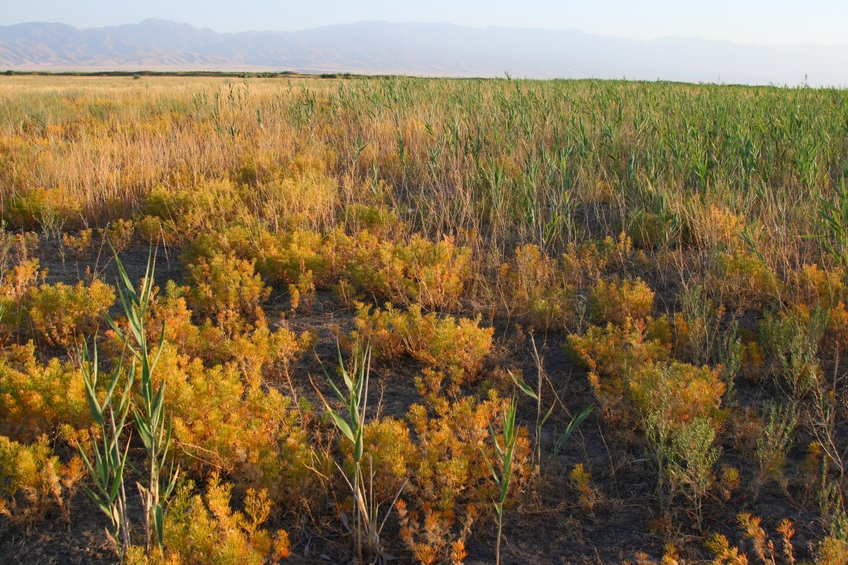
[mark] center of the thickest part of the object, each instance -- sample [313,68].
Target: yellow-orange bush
[457,347]
[38,399]
[62,314]
[681,392]
[179,215]
[228,291]
[259,353]
[205,529]
[32,480]
[389,457]
[612,352]
[43,208]
[712,227]
[250,434]
[15,285]
[535,290]
[420,271]
[118,234]
[742,281]
[450,484]
[677,405]
[615,301]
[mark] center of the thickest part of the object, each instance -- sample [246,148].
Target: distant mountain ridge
[417,49]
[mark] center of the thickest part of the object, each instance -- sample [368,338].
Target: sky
[772,22]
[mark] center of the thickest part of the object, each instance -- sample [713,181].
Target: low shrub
[451,485]
[535,290]
[228,291]
[205,529]
[611,352]
[33,481]
[791,340]
[456,347]
[420,271]
[38,399]
[742,281]
[62,314]
[179,216]
[252,435]
[615,301]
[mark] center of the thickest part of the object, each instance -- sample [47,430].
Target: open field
[358,284]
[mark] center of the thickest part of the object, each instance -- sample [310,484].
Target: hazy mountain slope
[418,49]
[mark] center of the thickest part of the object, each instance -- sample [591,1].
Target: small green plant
[542,418]
[702,337]
[775,441]
[110,458]
[366,525]
[679,404]
[791,339]
[502,469]
[833,217]
[151,422]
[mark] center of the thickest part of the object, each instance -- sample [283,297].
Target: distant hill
[417,49]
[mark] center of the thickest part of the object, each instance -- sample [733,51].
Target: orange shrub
[534,289]
[179,216]
[48,209]
[61,314]
[742,281]
[227,290]
[681,391]
[611,352]
[451,484]
[389,456]
[32,481]
[814,285]
[250,434]
[616,301]
[279,257]
[17,283]
[118,234]
[290,256]
[261,355]
[457,347]
[712,227]
[203,529]
[38,399]
[430,274]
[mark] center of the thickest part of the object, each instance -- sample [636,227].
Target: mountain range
[435,49]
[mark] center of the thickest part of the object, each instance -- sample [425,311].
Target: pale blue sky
[747,21]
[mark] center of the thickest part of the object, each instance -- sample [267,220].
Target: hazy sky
[747,21]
